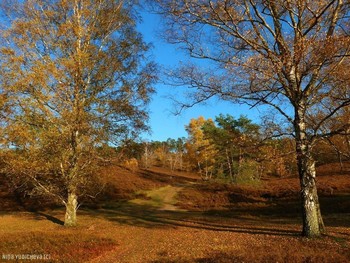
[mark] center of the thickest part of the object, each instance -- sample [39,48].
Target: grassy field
[159,216]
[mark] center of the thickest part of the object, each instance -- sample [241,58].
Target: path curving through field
[163,198]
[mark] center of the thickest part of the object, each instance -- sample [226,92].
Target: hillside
[157,215]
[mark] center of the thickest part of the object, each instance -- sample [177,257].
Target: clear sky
[163,122]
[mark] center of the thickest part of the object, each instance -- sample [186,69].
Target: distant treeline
[229,149]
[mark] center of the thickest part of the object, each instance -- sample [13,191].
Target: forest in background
[229,149]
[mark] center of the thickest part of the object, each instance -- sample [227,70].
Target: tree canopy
[76,76]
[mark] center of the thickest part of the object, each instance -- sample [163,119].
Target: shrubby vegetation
[230,150]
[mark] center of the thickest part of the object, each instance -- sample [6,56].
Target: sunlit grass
[158,197]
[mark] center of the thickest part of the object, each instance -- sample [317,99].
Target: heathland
[159,215]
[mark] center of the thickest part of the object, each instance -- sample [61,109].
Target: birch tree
[290,55]
[77,75]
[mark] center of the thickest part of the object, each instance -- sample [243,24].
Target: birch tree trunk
[311,213]
[70,218]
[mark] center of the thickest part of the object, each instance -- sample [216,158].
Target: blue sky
[163,122]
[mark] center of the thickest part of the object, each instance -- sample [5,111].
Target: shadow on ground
[40,215]
[151,217]
[282,218]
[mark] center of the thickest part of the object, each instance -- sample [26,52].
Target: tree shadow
[151,217]
[53,219]
[279,218]
[218,257]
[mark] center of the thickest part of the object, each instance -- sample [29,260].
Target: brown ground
[211,222]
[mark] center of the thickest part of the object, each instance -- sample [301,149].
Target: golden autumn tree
[77,76]
[201,153]
[289,55]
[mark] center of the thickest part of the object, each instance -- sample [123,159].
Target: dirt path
[153,229]
[146,233]
[163,198]
[169,199]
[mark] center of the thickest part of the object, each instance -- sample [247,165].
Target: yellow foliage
[131,164]
[200,151]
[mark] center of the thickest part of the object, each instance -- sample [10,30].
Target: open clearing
[174,217]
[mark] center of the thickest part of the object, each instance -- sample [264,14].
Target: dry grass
[135,233]
[222,223]
[123,184]
[35,234]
